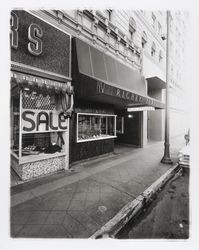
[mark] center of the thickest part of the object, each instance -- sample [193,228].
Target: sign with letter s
[38,44]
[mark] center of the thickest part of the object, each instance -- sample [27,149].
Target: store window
[43,126]
[15,100]
[95,126]
[43,143]
[120,125]
[153,49]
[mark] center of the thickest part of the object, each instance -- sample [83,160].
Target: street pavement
[167,217]
[77,203]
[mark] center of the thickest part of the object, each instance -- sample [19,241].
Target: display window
[38,126]
[15,100]
[95,126]
[120,125]
[42,143]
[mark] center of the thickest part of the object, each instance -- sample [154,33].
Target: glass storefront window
[15,120]
[120,125]
[49,140]
[43,143]
[42,125]
[94,127]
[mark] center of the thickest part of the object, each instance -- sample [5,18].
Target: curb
[113,226]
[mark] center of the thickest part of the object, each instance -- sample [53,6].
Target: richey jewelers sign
[39,121]
[38,44]
[103,88]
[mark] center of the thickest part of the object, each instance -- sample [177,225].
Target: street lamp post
[166,158]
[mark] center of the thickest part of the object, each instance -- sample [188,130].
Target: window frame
[160,56]
[13,114]
[95,139]
[132,27]
[144,39]
[154,20]
[153,49]
[159,28]
[122,130]
[109,11]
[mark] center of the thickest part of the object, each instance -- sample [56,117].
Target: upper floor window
[176,34]
[144,39]
[160,56]
[153,49]
[176,53]
[109,14]
[159,29]
[132,27]
[171,46]
[153,21]
[171,23]
[172,69]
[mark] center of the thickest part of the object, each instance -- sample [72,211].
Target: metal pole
[166,158]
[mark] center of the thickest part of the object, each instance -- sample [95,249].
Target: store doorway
[128,129]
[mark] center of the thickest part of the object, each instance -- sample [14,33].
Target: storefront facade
[41,96]
[104,90]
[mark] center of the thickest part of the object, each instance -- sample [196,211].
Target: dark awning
[102,78]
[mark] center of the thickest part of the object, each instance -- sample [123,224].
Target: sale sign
[39,121]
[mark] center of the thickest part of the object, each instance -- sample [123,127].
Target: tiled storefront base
[39,168]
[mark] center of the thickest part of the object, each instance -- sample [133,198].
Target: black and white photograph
[100,127]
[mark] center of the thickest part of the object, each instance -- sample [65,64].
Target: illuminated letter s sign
[34,35]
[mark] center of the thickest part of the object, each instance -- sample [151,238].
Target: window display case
[95,126]
[39,133]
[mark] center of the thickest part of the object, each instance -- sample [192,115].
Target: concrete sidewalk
[77,204]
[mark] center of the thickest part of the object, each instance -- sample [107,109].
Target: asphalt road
[166,217]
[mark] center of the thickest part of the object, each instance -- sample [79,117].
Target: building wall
[111,34]
[178,98]
[155,125]
[153,67]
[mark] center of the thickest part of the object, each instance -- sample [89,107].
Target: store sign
[38,44]
[38,121]
[35,34]
[103,88]
[141,109]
